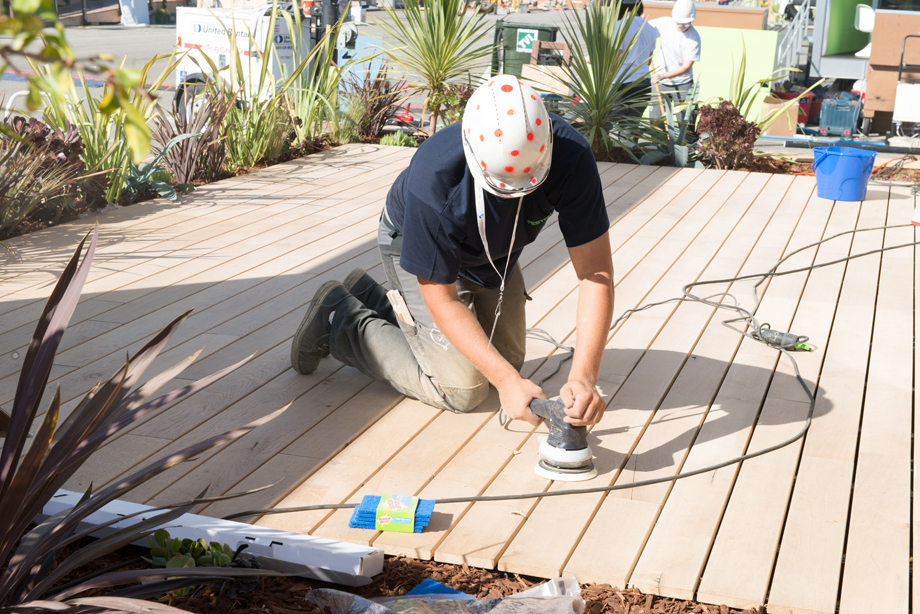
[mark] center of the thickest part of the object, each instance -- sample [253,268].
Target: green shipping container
[514,42]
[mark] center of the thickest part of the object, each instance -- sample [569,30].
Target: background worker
[680,48]
[453,228]
[639,44]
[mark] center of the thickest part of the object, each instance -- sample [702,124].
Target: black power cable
[784,342]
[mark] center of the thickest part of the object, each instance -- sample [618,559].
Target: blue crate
[839,116]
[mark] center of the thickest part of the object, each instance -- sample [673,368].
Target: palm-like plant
[598,77]
[440,44]
[30,477]
[744,98]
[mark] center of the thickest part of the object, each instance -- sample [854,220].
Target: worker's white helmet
[507,137]
[683,11]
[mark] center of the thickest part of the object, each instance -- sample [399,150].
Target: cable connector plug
[781,340]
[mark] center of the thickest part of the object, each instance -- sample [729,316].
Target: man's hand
[516,396]
[656,77]
[583,404]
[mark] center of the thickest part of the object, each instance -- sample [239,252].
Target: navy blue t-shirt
[432,204]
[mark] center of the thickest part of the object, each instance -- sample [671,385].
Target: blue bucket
[842,172]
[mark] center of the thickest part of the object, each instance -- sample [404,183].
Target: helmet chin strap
[481,223]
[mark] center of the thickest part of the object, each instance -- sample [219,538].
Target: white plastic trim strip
[313,557]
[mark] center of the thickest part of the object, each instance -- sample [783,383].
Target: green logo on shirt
[537,222]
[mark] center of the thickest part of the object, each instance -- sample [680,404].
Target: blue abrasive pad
[365,515]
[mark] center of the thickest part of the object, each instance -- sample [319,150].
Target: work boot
[311,342]
[371,294]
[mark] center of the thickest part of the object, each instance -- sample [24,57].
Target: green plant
[260,125]
[201,156]
[451,102]
[672,137]
[28,181]
[104,131]
[440,45]
[166,551]
[399,139]
[32,31]
[371,103]
[730,141]
[597,76]
[59,445]
[150,176]
[744,98]
[313,92]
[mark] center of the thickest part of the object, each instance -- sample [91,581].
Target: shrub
[32,176]
[730,144]
[371,103]
[259,130]
[30,477]
[399,139]
[439,44]
[451,102]
[111,137]
[147,177]
[199,157]
[597,76]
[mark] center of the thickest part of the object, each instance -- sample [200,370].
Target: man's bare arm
[594,268]
[463,330]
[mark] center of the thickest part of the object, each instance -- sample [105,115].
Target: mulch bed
[285,595]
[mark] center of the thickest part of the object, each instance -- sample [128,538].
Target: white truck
[204,32]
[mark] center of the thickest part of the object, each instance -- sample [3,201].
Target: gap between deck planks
[221,303]
[200,257]
[806,577]
[626,517]
[684,376]
[307,492]
[334,526]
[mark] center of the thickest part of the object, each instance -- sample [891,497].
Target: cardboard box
[784,125]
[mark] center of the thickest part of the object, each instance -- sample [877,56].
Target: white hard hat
[507,137]
[683,11]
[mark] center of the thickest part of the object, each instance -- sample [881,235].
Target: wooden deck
[822,524]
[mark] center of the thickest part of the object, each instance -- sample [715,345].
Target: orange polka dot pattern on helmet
[512,151]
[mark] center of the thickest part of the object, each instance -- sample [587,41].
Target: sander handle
[562,435]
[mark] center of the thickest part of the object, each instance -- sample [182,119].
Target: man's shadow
[731,398]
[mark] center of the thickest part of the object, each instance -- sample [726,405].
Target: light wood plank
[626,516]
[509,525]
[635,404]
[673,557]
[32,251]
[878,546]
[336,480]
[114,343]
[807,573]
[311,450]
[113,274]
[527,273]
[753,520]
